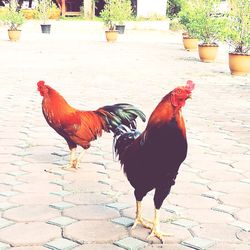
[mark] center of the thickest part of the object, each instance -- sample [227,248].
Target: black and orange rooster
[151,159]
[81,127]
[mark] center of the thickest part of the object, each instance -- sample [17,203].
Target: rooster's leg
[156,228]
[139,219]
[76,161]
[72,159]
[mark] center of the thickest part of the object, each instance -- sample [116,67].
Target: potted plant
[210,27]
[108,15]
[43,11]
[186,19]
[14,18]
[123,12]
[207,26]
[238,36]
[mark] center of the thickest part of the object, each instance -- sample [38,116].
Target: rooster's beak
[189,96]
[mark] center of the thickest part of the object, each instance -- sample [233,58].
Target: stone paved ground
[93,208]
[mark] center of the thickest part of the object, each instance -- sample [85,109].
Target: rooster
[151,159]
[81,127]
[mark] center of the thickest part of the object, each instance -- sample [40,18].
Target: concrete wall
[148,8]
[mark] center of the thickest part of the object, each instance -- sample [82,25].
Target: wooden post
[89,8]
[63,8]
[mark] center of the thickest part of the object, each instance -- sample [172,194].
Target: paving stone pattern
[93,207]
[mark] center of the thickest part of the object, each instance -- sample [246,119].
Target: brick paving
[93,208]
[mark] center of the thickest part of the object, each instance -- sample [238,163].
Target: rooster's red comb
[190,85]
[40,83]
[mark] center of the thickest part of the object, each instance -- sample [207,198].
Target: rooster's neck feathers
[55,106]
[58,99]
[164,113]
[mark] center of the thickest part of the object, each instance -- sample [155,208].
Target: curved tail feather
[120,114]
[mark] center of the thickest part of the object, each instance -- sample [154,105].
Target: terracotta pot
[14,35]
[190,43]
[208,52]
[239,64]
[111,35]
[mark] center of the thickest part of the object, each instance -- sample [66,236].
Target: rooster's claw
[158,234]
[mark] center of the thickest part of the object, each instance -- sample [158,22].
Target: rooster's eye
[178,91]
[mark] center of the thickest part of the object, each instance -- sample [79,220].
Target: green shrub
[12,16]
[238,26]
[187,18]
[201,19]
[43,10]
[116,12]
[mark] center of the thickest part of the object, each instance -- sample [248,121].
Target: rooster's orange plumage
[81,127]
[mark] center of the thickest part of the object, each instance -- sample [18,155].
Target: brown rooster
[151,159]
[81,127]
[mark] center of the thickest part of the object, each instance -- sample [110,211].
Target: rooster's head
[180,94]
[42,88]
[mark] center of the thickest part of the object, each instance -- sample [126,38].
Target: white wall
[148,8]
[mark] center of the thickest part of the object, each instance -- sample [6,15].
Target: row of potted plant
[204,22]
[14,17]
[114,14]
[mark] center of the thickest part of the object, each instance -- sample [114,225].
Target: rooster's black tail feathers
[120,114]
[121,120]
[123,137]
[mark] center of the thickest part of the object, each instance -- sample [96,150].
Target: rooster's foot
[142,221]
[158,234]
[73,166]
